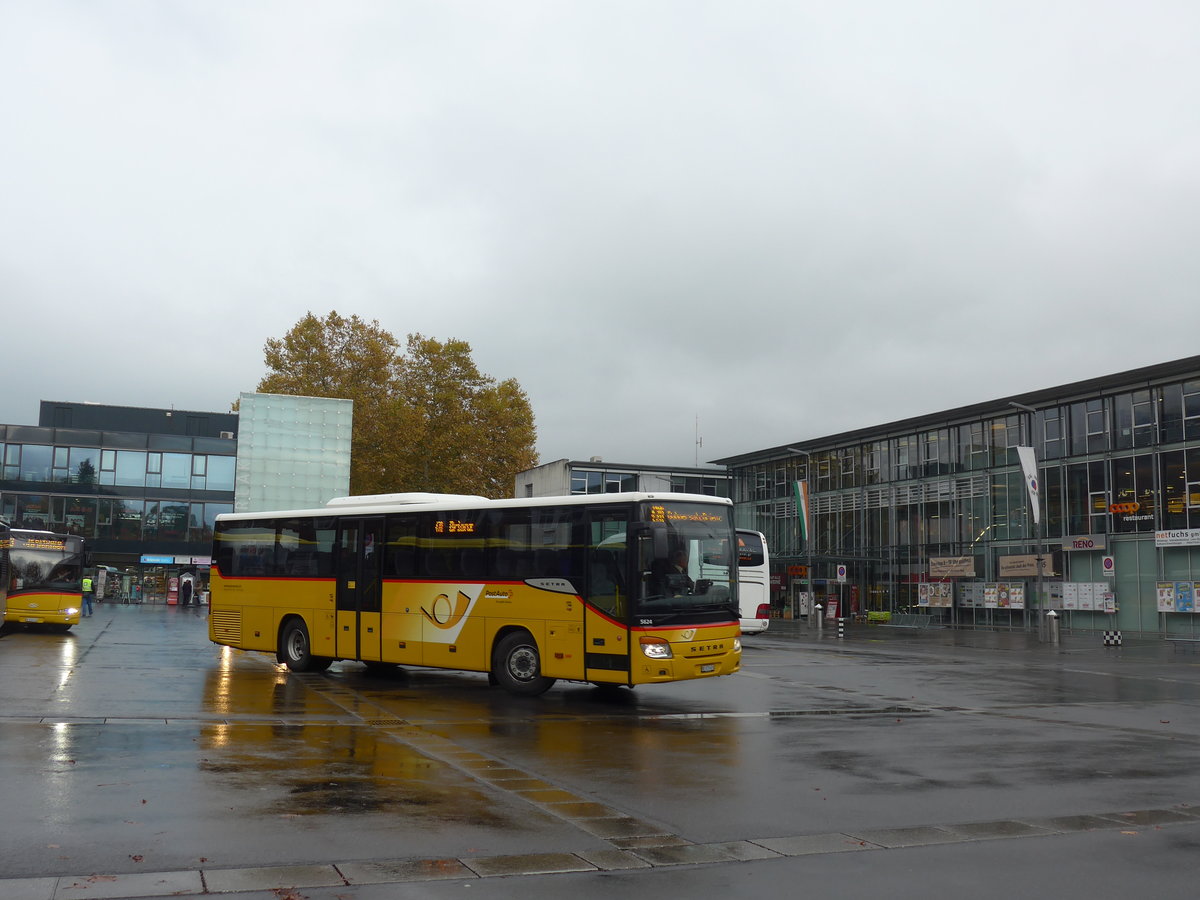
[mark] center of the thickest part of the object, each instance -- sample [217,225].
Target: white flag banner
[1029,468]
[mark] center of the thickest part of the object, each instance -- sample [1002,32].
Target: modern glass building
[594,476]
[144,486]
[931,515]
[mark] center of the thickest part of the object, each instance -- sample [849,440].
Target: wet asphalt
[138,759]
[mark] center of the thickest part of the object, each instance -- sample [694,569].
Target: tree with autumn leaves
[425,418]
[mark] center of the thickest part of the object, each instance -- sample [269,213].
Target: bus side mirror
[87,556]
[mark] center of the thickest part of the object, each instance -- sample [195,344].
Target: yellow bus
[591,588]
[41,577]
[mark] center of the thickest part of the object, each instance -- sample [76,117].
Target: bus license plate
[708,667]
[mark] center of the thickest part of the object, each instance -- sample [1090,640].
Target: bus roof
[374,504]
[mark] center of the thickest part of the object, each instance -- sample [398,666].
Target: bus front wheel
[296,649]
[517,665]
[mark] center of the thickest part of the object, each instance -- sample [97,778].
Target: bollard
[1052,624]
[841,628]
[1112,639]
[820,616]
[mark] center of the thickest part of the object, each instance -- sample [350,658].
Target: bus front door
[359,588]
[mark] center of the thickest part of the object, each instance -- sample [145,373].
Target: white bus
[754,581]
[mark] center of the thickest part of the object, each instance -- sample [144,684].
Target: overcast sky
[778,220]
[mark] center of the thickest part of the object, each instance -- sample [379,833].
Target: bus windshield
[685,562]
[39,562]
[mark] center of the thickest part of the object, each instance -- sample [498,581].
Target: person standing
[89,594]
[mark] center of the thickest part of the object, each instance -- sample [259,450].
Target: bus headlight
[656,648]
[737,645]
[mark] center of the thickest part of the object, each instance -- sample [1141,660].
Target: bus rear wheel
[295,649]
[517,665]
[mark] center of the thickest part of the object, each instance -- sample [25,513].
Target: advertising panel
[1180,537]
[1166,596]
[951,566]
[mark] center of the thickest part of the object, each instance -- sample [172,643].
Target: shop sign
[951,566]
[1086,542]
[148,560]
[1180,537]
[1021,566]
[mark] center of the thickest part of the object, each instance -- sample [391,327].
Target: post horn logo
[443,613]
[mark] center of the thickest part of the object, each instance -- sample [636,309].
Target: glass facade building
[942,500]
[594,476]
[144,486]
[293,452]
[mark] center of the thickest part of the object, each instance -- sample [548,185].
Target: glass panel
[150,520]
[84,464]
[79,516]
[33,511]
[172,521]
[127,520]
[221,473]
[36,462]
[177,470]
[131,468]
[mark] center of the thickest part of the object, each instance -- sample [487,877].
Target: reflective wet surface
[132,745]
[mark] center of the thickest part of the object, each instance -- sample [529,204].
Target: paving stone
[806,844]
[909,837]
[527,864]
[613,860]
[1001,829]
[136,884]
[269,878]
[388,871]
[686,854]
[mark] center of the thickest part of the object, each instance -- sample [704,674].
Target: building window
[973,447]
[177,470]
[36,463]
[1191,410]
[1006,437]
[1089,427]
[905,456]
[1054,433]
[221,470]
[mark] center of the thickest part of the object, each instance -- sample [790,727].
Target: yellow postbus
[41,579]
[591,588]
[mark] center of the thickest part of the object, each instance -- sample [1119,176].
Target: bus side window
[400,560]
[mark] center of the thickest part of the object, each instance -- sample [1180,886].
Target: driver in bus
[678,582]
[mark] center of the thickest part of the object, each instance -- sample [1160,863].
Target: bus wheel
[517,665]
[296,649]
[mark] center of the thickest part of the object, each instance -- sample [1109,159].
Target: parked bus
[41,577]
[529,591]
[754,581]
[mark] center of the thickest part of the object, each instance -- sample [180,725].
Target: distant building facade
[594,476]
[144,486]
[932,514]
